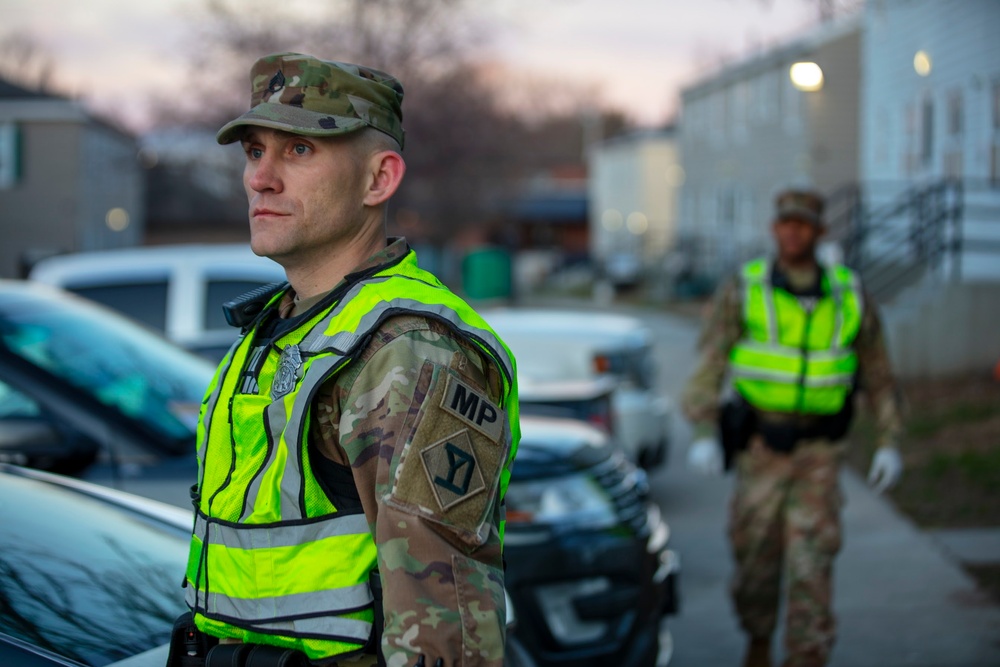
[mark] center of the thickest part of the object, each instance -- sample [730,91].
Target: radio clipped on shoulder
[241,311]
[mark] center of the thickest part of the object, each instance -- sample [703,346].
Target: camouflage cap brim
[305,95]
[290,119]
[800,213]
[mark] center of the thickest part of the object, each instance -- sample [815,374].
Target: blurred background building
[69,181]
[786,117]
[633,183]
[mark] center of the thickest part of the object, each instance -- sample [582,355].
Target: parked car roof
[177,289]
[87,267]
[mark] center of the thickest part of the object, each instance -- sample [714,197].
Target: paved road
[899,598]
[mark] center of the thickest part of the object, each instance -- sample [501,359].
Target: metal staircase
[897,241]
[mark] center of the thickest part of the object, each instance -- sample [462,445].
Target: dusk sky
[634,55]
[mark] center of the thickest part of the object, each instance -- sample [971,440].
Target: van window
[143,302]
[217,292]
[633,365]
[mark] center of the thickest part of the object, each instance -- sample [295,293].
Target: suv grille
[626,486]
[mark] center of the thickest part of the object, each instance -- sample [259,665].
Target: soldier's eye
[254,153]
[300,149]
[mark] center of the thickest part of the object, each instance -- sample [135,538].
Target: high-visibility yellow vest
[793,359]
[272,560]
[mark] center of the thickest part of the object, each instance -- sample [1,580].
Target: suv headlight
[573,501]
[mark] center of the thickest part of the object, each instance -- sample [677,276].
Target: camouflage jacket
[725,327]
[442,592]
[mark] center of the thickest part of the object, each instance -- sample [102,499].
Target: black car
[88,575]
[93,580]
[588,565]
[84,390]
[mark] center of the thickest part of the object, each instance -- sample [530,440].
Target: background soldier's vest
[793,358]
[263,566]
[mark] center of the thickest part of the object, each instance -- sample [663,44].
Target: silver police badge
[287,373]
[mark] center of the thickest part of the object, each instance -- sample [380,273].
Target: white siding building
[633,187]
[68,182]
[931,110]
[748,132]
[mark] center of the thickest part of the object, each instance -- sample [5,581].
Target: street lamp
[922,63]
[807,76]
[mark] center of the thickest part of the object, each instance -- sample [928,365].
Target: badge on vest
[287,374]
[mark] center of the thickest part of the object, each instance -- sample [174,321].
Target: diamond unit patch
[452,469]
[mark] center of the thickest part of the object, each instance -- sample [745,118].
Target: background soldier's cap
[799,205]
[305,95]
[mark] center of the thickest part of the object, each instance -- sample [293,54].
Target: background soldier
[366,420]
[795,339]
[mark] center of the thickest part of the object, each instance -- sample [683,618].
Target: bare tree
[472,130]
[24,61]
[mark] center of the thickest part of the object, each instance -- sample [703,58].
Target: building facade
[930,114]
[68,182]
[749,131]
[633,187]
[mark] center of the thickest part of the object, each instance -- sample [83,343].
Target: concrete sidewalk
[900,599]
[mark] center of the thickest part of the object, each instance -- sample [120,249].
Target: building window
[717,126]
[927,131]
[995,145]
[738,110]
[10,157]
[791,112]
[996,105]
[955,114]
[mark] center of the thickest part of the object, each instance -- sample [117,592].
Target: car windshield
[85,579]
[117,362]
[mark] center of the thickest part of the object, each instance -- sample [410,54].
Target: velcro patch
[473,408]
[452,469]
[449,470]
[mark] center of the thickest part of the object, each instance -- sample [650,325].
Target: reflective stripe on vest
[791,359]
[264,563]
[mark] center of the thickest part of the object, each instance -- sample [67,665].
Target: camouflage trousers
[785,522]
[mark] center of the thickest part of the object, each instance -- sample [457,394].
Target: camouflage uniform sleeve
[428,483]
[875,376]
[722,330]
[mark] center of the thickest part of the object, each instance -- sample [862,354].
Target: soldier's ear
[386,169]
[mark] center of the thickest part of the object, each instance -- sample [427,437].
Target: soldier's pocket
[482,608]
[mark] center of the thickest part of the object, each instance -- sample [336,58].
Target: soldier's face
[796,239]
[306,195]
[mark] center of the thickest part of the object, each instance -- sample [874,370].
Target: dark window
[84,579]
[927,131]
[955,114]
[634,366]
[594,411]
[143,302]
[996,105]
[217,292]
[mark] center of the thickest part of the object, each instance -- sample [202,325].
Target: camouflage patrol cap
[305,95]
[804,205]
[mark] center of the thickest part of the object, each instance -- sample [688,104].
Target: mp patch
[453,470]
[473,408]
[449,470]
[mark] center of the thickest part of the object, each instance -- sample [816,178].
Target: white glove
[705,456]
[887,468]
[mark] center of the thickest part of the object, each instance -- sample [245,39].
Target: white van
[558,350]
[175,289]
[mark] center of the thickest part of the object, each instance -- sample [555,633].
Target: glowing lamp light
[117,219]
[806,76]
[922,63]
[612,220]
[637,223]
